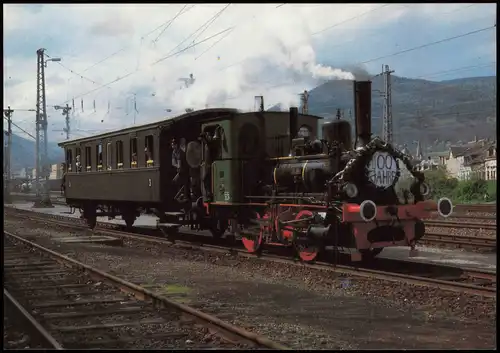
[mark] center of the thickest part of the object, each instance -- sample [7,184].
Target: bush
[440,183]
[467,191]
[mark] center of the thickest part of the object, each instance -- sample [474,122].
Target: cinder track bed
[432,275]
[81,307]
[454,232]
[299,306]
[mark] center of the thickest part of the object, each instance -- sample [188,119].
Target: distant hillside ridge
[23,152]
[429,111]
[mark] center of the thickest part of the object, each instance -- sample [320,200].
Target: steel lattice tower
[41,160]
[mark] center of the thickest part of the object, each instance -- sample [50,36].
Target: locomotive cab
[338,132]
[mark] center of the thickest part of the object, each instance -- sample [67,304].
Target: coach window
[78,160]
[133,153]
[119,154]
[98,153]
[88,158]
[69,159]
[148,151]
[108,156]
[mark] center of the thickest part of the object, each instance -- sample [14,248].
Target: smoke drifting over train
[278,73]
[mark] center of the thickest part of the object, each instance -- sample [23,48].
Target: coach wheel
[218,228]
[129,220]
[91,221]
[90,216]
[369,254]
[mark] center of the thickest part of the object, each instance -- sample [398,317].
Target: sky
[112,55]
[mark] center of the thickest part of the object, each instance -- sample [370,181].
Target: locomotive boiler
[333,192]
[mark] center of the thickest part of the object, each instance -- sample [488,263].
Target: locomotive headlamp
[368,210]
[425,189]
[351,190]
[445,207]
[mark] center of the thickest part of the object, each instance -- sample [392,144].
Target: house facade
[490,163]
[473,160]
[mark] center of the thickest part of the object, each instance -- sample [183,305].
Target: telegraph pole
[65,112]
[259,101]
[135,106]
[387,114]
[42,196]
[8,115]
[304,99]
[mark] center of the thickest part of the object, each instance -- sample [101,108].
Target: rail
[228,331]
[353,270]
[37,332]
[486,243]
[468,225]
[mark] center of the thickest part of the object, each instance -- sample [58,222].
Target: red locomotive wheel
[307,252]
[251,244]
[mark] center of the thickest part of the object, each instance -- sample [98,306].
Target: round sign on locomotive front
[382,170]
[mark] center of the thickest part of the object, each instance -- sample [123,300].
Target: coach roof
[163,122]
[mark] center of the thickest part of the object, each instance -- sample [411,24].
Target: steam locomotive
[251,175]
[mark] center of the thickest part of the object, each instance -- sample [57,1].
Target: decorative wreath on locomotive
[242,174]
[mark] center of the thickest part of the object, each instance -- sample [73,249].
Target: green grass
[174,291]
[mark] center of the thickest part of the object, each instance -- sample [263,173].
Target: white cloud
[274,46]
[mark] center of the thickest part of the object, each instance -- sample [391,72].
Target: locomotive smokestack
[294,121]
[363,111]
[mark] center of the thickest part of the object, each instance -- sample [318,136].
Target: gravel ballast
[299,307]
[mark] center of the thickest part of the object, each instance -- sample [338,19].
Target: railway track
[456,283]
[68,304]
[460,241]
[487,208]
[455,241]
[468,225]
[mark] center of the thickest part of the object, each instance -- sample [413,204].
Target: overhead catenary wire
[197,30]
[320,31]
[231,28]
[288,83]
[429,44]
[462,68]
[137,69]
[128,46]
[214,44]
[157,62]
[348,20]
[20,128]
[210,22]
[170,22]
